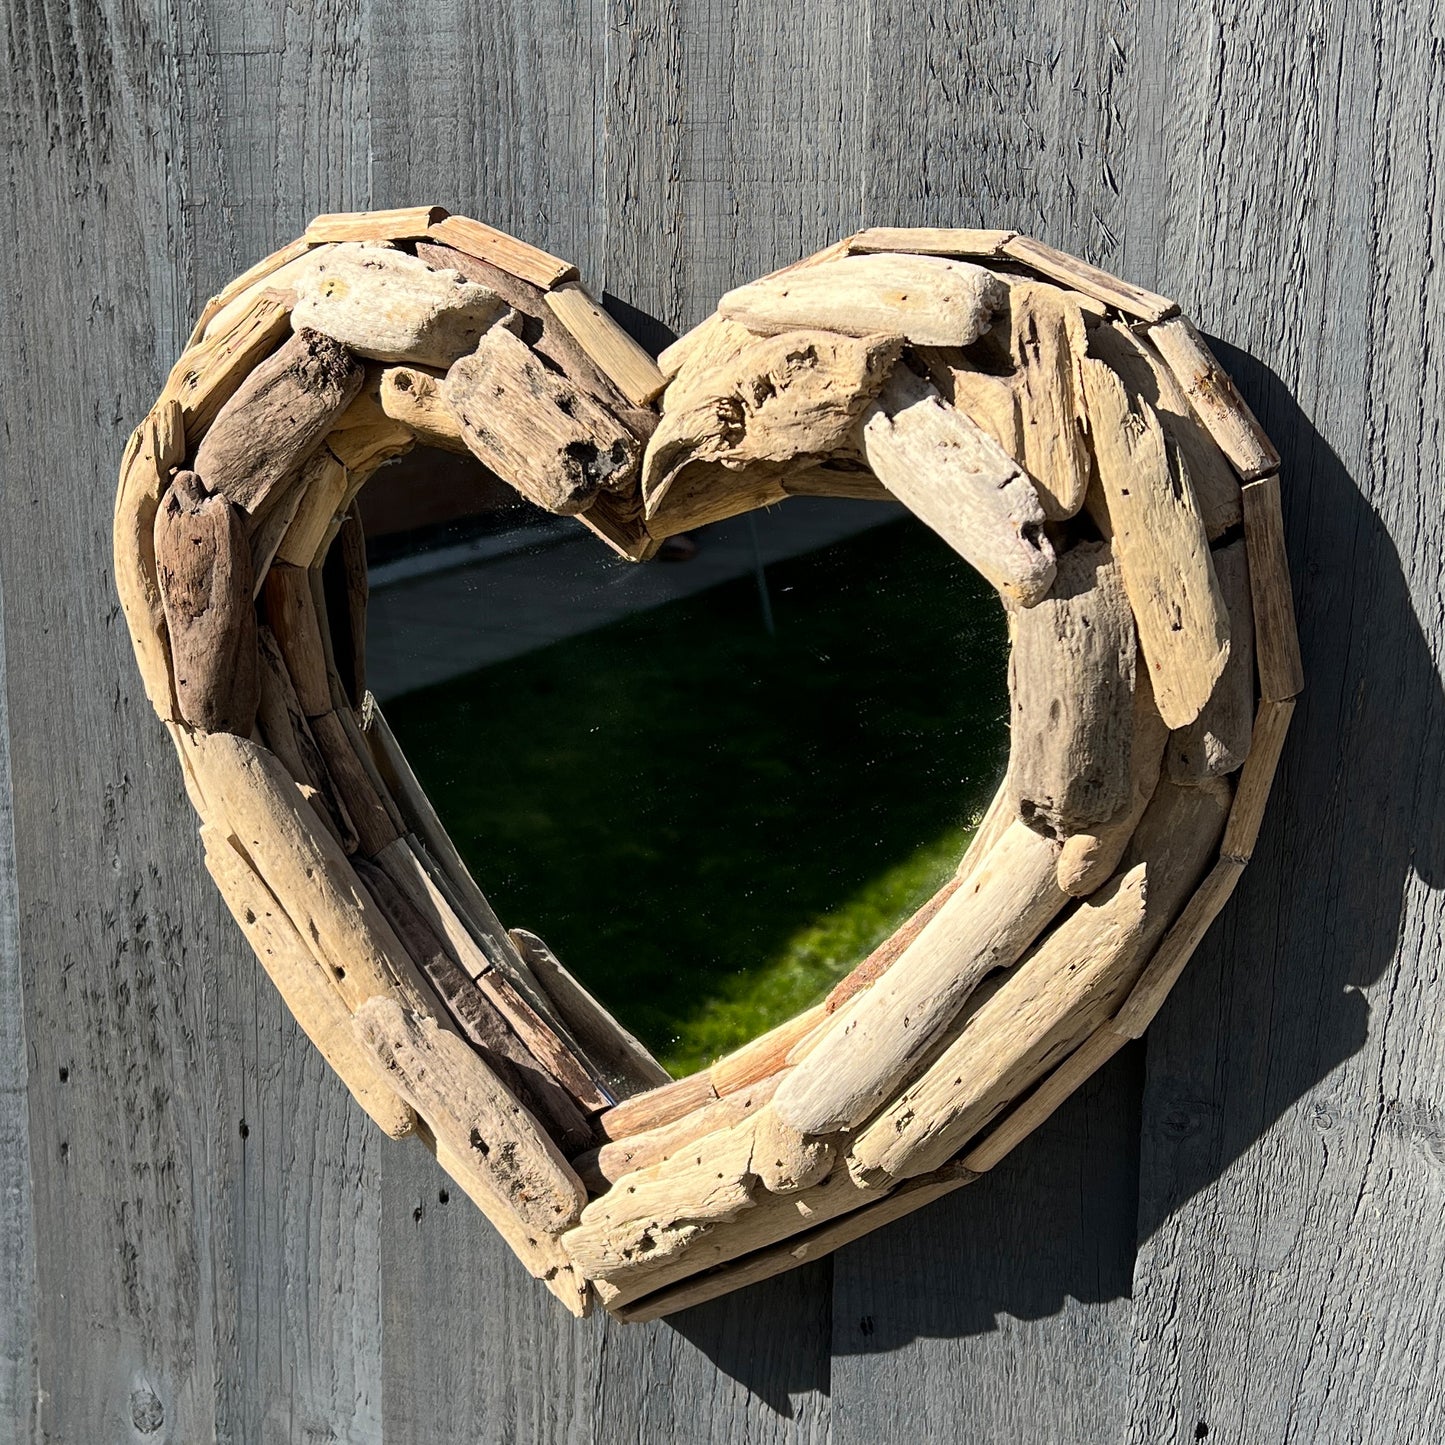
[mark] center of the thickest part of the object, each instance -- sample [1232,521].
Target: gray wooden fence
[1236,1232]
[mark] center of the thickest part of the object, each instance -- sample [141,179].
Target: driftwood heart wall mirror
[1068,434]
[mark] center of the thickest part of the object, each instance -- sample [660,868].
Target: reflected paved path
[427,629]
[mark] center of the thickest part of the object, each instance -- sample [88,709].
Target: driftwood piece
[303,984]
[1148,379]
[245,288]
[369,817]
[1090,856]
[348,590]
[924,299]
[261,438]
[487,1142]
[364,436]
[1081,276]
[1147,507]
[775,1259]
[786,1160]
[657,1107]
[477,1018]
[207,374]
[1047,344]
[290,610]
[1215,399]
[487,243]
[203,569]
[1071,696]
[931,240]
[872,1045]
[788,397]
[155,448]
[990,402]
[1217,741]
[325,486]
[711,342]
[413,397]
[538,431]
[392,307]
[1067,986]
[615,354]
[762,1057]
[401,224]
[955,478]
[1271,724]
[405,869]
[301,864]
[1281,673]
[621,1059]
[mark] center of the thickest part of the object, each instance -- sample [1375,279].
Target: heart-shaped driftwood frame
[1069,434]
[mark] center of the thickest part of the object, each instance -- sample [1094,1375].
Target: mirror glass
[712,782]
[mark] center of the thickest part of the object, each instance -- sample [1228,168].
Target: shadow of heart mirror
[857,713]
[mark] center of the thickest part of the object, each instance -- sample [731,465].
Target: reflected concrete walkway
[424,630]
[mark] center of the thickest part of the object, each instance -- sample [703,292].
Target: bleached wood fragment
[1148,508]
[223,308]
[207,374]
[615,354]
[538,431]
[413,396]
[401,224]
[712,341]
[956,479]
[1071,696]
[763,1056]
[925,299]
[1215,398]
[873,1044]
[786,1160]
[1217,741]
[657,1107]
[931,240]
[1071,271]
[1281,673]
[390,306]
[1271,725]
[487,243]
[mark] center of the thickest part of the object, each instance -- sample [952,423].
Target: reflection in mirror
[712,782]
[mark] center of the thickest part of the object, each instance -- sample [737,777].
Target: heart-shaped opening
[713,789]
[1065,433]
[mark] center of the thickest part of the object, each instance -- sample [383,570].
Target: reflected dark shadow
[1353,818]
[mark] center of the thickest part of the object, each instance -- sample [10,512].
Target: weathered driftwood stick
[785,1159]
[663,1105]
[1163,970]
[874,1043]
[1058,995]
[1217,741]
[301,865]
[155,448]
[203,568]
[484,1139]
[374,827]
[413,397]
[362,751]
[1271,725]
[620,1058]
[244,288]
[1215,398]
[259,441]
[207,375]
[443,862]
[925,299]
[776,1259]
[617,1157]
[1090,856]
[1148,379]
[396,225]
[1081,276]
[552,1052]
[364,436]
[302,983]
[1047,344]
[324,487]
[291,613]
[615,354]
[991,402]
[1039,1105]
[487,243]
[763,1056]
[785,398]
[538,431]
[931,240]
[392,307]
[477,1018]
[955,478]
[347,592]
[1281,674]
[836,479]
[1149,510]
[1071,696]
[711,342]
[286,731]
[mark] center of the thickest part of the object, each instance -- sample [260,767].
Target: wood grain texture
[1291,1122]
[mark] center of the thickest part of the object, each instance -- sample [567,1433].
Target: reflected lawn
[709,825]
